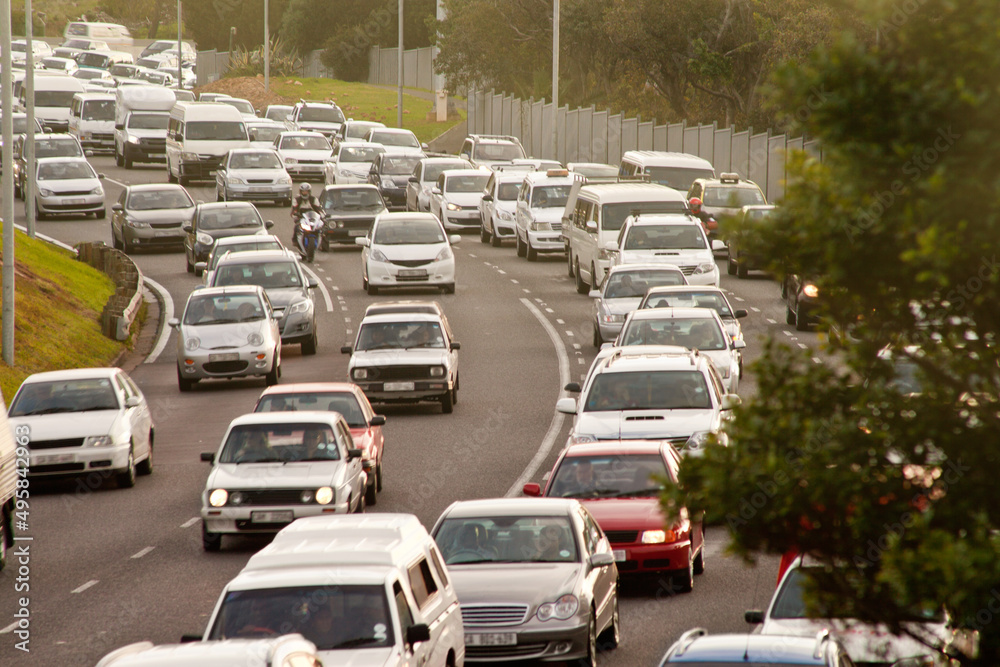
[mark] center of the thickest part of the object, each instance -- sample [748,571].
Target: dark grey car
[150,215]
[217,220]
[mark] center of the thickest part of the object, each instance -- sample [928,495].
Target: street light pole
[399,70]
[555,79]
[29,140]
[232,33]
[7,184]
[267,51]
[180,52]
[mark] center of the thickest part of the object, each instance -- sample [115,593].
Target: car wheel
[789,315]
[598,341]
[115,243]
[449,288]
[210,541]
[447,403]
[371,493]
[594,284]
[126,245]
[126,160]
[218,195]
[378,476]
[484,236]
[126,477]
[324,244]
[801,322]
[360,508]
[742,269]
[730,263]
[683,581]
[170,175]
[522,248]
[101,215]
[184,384]
[371,289]
[183,180]
[784,288]
[118,158]
[309,346]
[569,263]
[699,561]
[495,240]
[196,270]
[581,287]
[39,213]
[530,252]
[271,378]
[145,467]
[590,660]
[612,635]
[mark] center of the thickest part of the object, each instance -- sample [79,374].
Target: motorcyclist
[708,222]
[303,202]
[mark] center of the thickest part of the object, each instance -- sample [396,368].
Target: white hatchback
[408,250]
[671,239]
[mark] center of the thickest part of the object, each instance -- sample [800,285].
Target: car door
[603,580]
[221,175]
[436,200]
[452,354]
[137,416]
[521,216]
[415,655]
[118,217]
[413,188]
[486,207]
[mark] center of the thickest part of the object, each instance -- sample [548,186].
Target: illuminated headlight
[340,224]
[133,140]
[609,319]
[360,374]
[136,224]
[454,207]
[189,157]
[204,238]
[577,439]
[706,267]
[291,160]
[299,307]
[539,226]
[504,215]
[444,254]
[324,495]
[97,191]
[255,339]
[44,192]
[810,290]
[562,609]
[233,180]
[378,256]
[97,441]
[437,371]
[192,343]
[658,536]
[218,497]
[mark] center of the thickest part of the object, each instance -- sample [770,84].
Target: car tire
[530,252]
[522,247]
[742,270]
[210,541]
[495,240]
[324,244]
[378,476]
[126,477]
[170,175]
[784,288]
[119,162]
[447,403]
[115,243]
[569,262]
[484,236]
[683,581]
[371,289]
[145,466]
[101,215]
[612,635]
[789,315]
[271,378]
[127,162]
[218,195]
[730,263]
[699,561]
[309,346]
[581,287]
[360,507]
[39,213]
[598,341]
[371,494]
[449,288]
[184,384]
[801,322]
[183,180]
[590,660]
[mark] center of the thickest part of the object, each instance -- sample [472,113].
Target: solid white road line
[190,522]
[557,419]
[167,306]
[142,552]
[9,628]
[80,589]
[322,288]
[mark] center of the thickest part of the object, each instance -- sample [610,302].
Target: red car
[347,399]
[620,483]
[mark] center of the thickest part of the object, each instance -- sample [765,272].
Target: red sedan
[620,483]
[347,399]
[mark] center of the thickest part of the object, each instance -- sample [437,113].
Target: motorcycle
[310,225]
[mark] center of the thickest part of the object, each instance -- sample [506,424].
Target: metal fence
[418,67]
[212,66]
[589,135]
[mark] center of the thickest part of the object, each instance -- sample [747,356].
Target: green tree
[840,464]
[140,15]
[208,23]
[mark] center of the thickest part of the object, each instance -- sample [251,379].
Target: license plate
[281,516]
[398,386]
[75,201]
[53,458]
[492,639]
[257,188]
[157,155]
[413,272]
[619,555]
[166,233]
[226,356]
[356,232]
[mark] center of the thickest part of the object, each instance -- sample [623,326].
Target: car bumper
[151,236]
[395,198]
[241,519]
[704,278]
[306,171]
[610,331]
[347,178]
[642,558]
[559,642]
[457,220]
[262,192]
[393,275]
[549,241]
[202,365]
[405,391]
[504,229]
[343,234]
[200,170]
[81,204]
[146,152]
[296,327]
[71,461]
[98,142]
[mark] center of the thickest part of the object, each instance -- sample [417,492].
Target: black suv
[390,173]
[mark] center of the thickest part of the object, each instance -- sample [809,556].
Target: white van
[112,33]
[364,588]
[199,134]
[53,99]
[103,59]
[595,214]
[8,484]
[92,120]
[674,170]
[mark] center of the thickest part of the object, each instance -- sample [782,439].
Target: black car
[802,299]
[217,220]
[348,212]
[390,173]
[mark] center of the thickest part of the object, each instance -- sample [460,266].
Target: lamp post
[41,17]
[267,51]
[29,140]
[399,70]
[555,79]
[232,33]
[180,52]
[7,185]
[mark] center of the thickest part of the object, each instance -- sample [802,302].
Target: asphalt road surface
[109,567]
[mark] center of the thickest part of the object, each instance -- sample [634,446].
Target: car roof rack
[822,637]
[688,638]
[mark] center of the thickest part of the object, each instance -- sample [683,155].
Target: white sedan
[408,250]
[351,162]
[303,153]
[84,421]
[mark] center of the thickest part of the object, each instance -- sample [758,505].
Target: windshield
[648,390]
[261,160]
[92,59]
[303,143]
[88,74]
[732,197]
[57,148]
[678,178]
[148,121]
[508,191]
[269,275]
[507,539]
[609,476]
[596,170]
[434,169]
[614,214]
[332,617]
[98,110]
[81,395]
[52,63]
[270,443]
[215,130]
[321,115]
[220,251]
[266,133]
[406,232]
[55,98]
[400,335]
[64,171]
[223,309]
[498,152]
[230,218]
[20,47]
[122,70]
[700,333]
[692,299]
[244,106]
[21,125]
[665,237]
[359,130]
[353,199]
[278,113]
[359,153]
[346,403]
[466,183]
[633,284]
[549,196]
[405,139]
[399,165]
[158,200]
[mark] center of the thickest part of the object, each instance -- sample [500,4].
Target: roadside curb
[130,359]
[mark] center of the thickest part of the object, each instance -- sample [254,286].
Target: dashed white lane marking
[560,322]
[190,522]
[739,298]
[501,272]
[755,309]
[142,552]
[80,589]
[471,255]
[770,321]
[323,289]
[335,288]
[167,303]
[555,426]
[580,360]
[118,183]
[9,628]
[329,279]
[513,280]
[347,319]
[803,346]
[549,310]
[817,360]
[576,346]
[526,290]
[321,269]
[487,262]
[344,308]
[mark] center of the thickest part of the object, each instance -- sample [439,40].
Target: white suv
[323,117]
[671,239]
[485,150]
[650,395]
[540,206]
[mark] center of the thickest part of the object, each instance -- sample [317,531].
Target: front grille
[399,373]
[413,279]
[678,442]
[68,207]
[56,467]
[516,651]
[54,444]
[356,223]
[622,536]
[246,524]
[102,136]
[73,193]
[656,564]
[411,263]
[259,181]
[153,143]
[494,614]
[627,566]
[688,270]
[225,366]
[165,225]
[269,497]
[644,418]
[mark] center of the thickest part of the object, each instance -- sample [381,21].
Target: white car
[354,130]
[622,292]
[303,153]
[244,106]
[291,650]
[278,113]
[396,140]
[351,163]
[275,467]
[671,239]
[455,197]
[253,174]
[498,207]
[234,244]
[85,421]
[68,186]
[263,132]
[425,176]
[323,117]
[56,64]
[540,206]
[408,250]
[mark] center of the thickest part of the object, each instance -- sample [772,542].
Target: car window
[270,443]
[692,299]
[259,160]
[664,237]
[305,143]
[693,333]
[402,606]
[498,152]
[734,197]
[614,215]
[678,178]
[51,397]
[352,199]
[421,582]
[465,183]
[359,153]
[472,540]
[229,218]
[550,196]
[402,335]
[64,171]
[398,165]
[407,232]
[269,275]
[609,476]
[401,139]
[65,147]
[632,284]
[507,191]
[158,200]
[222,309]
[321,114]
[648,390]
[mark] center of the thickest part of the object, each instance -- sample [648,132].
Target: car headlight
[189,157]
[378,256]
[602,253]
[285,180]
[97,191]
[724,372]
[324,495]
[611,318]
[577,439]
[360,374]
[192,343]
[810,290]
[133,140]
[562,609]
[44,192]
[387,182]
[453,207]
[236,498]
[505,216]
[697,441]
[204,238]
[445,254]
[437,371]
[705,267]
[658,536]
[136,224]
[299,307]
[255,339]
[218,497]
[233,180]
[540,226]
[307,496]
[97,441]
[291,160]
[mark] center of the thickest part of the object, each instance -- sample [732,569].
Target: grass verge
[58,303]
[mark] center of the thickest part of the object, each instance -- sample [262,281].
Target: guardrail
[123,306]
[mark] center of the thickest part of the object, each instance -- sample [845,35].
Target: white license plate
[619,555]
[166,233]
[398,386]
[356,232]
[280,516]
[75,201]
[157,155]
[413,272]
[226,356]
[53,458]
[491,639]
[257,188]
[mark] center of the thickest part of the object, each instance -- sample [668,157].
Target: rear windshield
[693,333]
[64,171]
[98,110]
[158,200]
[648,390]
[57,148]
[142,121]
[215,130]
[613,215]
[665,237]
[321,115]
[678,178]
[54,98]
[346,403]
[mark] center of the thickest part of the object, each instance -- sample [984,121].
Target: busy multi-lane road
[109,566]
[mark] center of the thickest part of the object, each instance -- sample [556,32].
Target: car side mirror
[119,126]
[435,190]
[739,344]
[573,387]
[591,226]
[362,241]
[88,153]
[200,266]
[173,323]
[730,401]
[464,155]
[594,294]
[268,224]
[346,349]
[354,453]
[753,616]
[208,457]
[132,402]
[188,228]
[101,177]
[455,345]
[741,313]
[602,559]
[412,179]
[611,246]
[532,489]
[424,146]
[116,207]
[487,197]
[417,633]
[567,406]
[377,420]
[312,284]
[454,239]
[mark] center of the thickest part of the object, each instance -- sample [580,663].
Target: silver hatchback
[68,186]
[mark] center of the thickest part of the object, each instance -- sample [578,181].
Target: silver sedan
[68,185]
